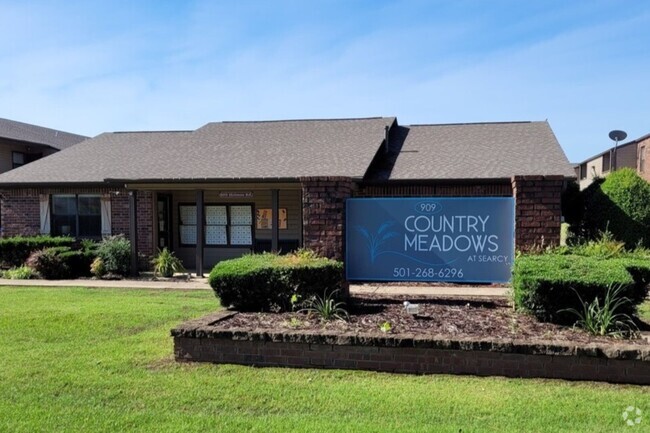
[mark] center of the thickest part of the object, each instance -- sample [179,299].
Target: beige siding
[626,155]
[7,147]
[289,199]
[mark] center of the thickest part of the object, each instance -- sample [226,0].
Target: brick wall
[410,360]
[643,151]
[20,215]
[538,210]
[323,214]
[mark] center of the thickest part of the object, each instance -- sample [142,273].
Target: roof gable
[479,151]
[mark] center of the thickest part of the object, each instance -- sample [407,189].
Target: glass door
[164,221]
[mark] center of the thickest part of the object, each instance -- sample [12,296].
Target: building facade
[231,188]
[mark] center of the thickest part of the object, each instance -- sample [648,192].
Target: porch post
[275,219]
[133,231]
[199,233]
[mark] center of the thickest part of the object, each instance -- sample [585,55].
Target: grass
[79,360]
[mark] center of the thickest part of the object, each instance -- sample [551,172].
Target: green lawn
[92,360]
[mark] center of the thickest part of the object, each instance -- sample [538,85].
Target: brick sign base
[203,340]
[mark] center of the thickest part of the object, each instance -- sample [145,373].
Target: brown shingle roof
[37,134]
[480,151]
[217,151]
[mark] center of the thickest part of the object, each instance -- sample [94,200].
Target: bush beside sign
[430,239]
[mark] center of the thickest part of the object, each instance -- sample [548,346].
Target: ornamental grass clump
[327,307]
[166,264]
[605,318]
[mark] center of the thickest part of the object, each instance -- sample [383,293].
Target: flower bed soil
[448,318]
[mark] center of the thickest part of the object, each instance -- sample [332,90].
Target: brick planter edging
[204,340]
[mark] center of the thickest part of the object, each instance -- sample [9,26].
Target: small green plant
[327,307]
[97,267]
[605,318]
[295,322]
[305,254]
[166,263]
[385,327]
[295,301]
[605,246]
[19,273]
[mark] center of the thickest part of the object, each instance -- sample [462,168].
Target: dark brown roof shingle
[37,134]
[480,151]
[217,151]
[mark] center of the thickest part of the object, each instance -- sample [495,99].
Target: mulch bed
[450,318]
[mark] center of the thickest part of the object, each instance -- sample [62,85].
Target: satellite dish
[617,135]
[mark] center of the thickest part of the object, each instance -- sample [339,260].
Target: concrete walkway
[202,284]
[193,284]
[455,291]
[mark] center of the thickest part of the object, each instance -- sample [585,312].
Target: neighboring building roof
[480,151]
[218,151]
[37,134]
[633,142]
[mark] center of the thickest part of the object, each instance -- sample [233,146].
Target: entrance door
[164,221]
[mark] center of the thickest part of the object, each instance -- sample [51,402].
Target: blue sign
[430,239]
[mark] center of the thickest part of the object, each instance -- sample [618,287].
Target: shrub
[59,263]
[621,204]
[97,267]
[49,264]
[14,251]
[544,284]
[115,252]
[20,273]
[166,263]
[262,282]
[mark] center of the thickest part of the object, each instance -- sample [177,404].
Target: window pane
[90,225]
[89,205]
[216,215]
[241,235]
[188,215]
[188,235]
[64,205]
[64,225]
[216,235]
[241,215]
[18,158]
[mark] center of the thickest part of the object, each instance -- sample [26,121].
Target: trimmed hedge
[543,284]
[264,282]
[619,204]
[14,251]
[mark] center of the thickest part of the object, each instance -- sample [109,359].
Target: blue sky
[91,66]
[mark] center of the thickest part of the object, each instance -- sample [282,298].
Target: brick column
[323,214]
[145,226]
[538,210]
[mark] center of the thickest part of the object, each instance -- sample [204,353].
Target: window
[21,158]
[187,225]
[225,225]
[17,159]
[642,159]
[583,171]
[76,215]
[606,162]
